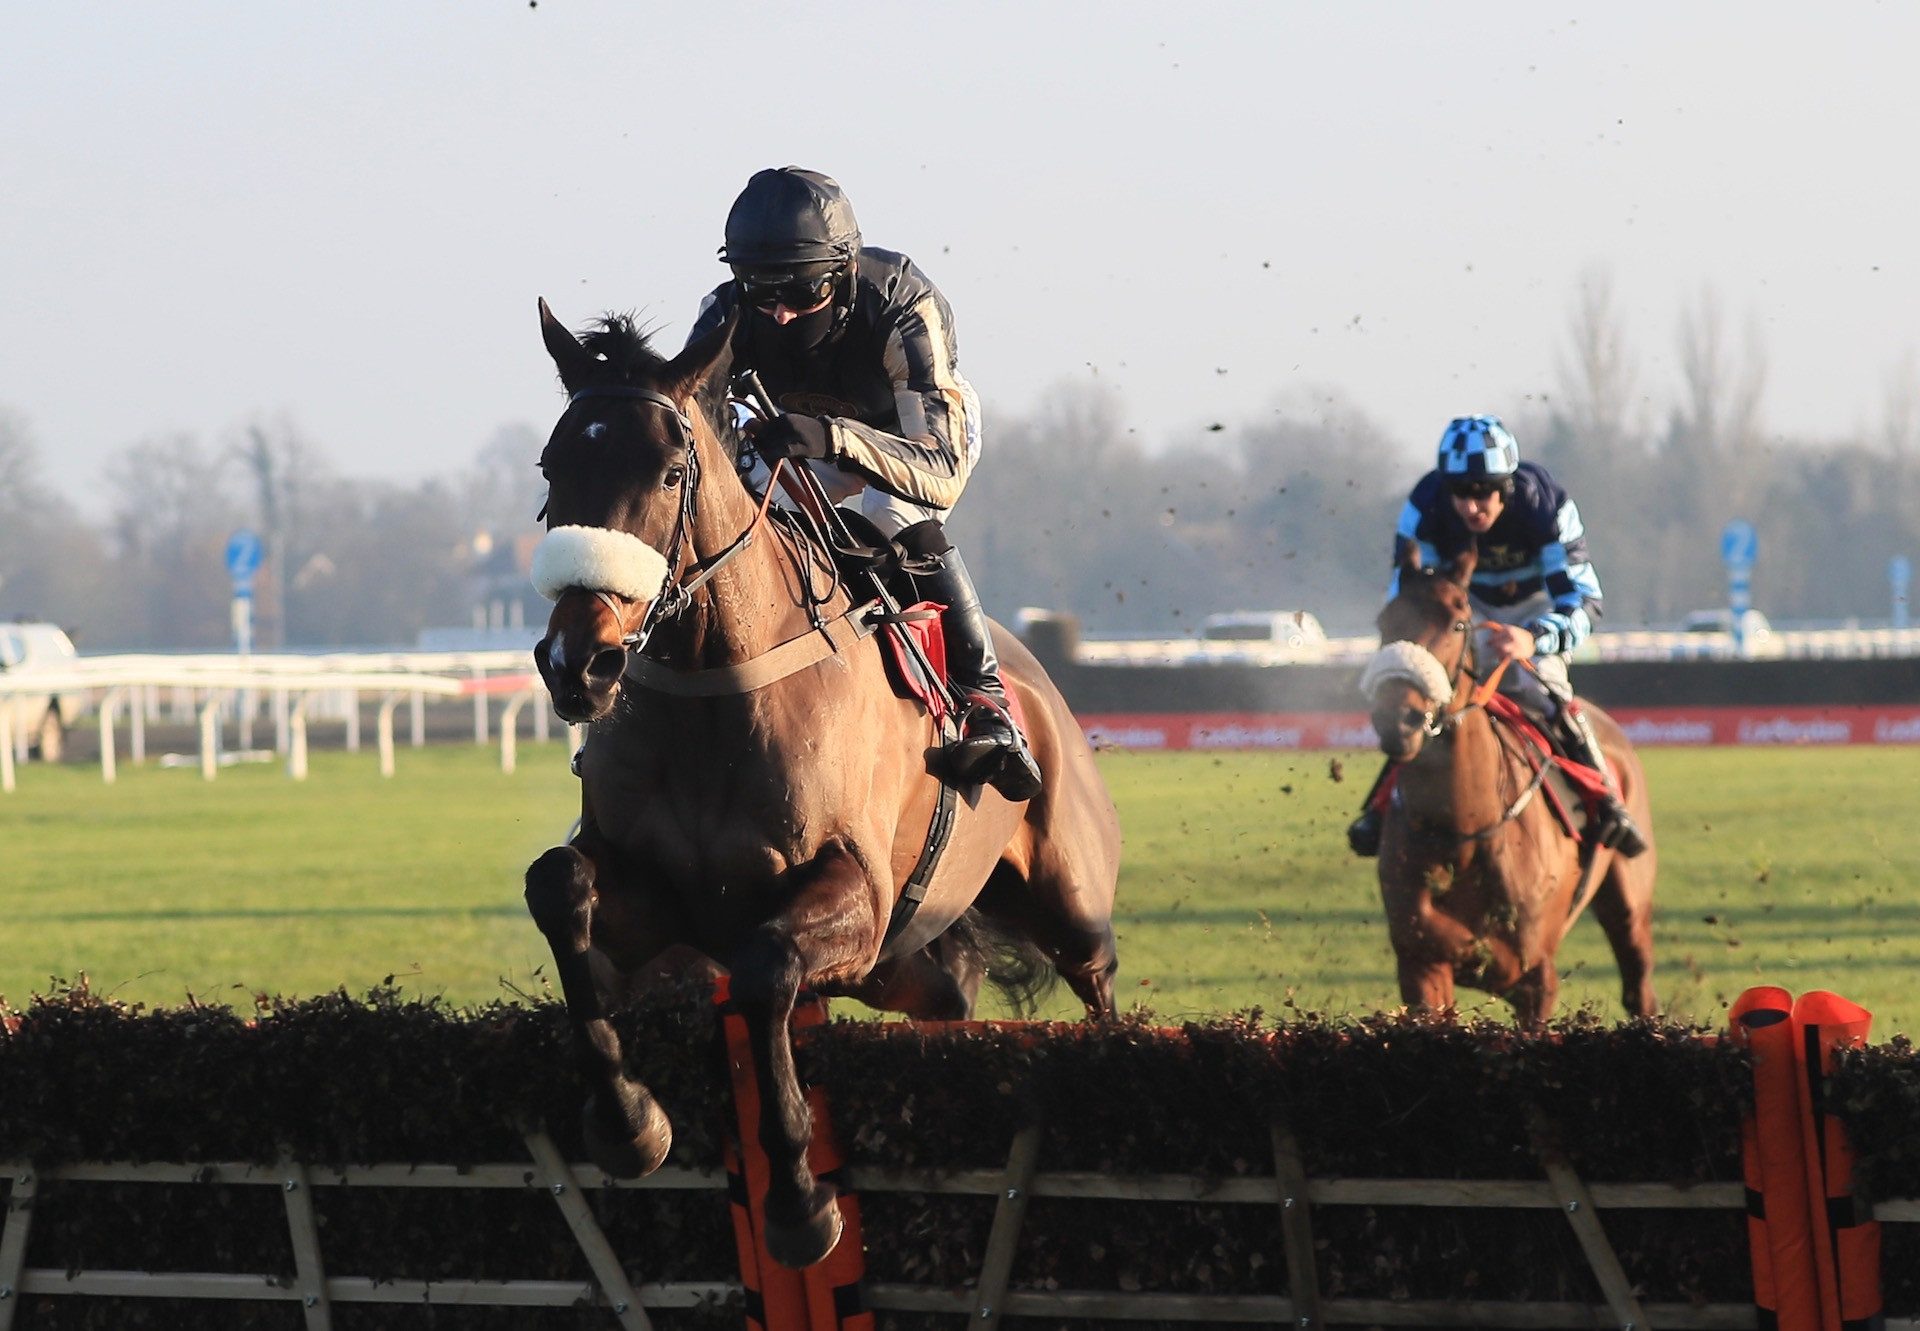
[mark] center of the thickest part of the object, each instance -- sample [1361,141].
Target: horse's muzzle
[1401,726]
[584,683]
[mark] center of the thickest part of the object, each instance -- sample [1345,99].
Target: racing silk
[887,378]
[1536,549]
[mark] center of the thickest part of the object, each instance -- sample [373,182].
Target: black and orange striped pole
[1846,1244]
[826,1296]
[1786,1291]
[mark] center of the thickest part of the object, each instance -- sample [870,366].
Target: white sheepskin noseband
[1414,664]
[597,559]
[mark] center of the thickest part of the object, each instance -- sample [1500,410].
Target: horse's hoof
[623,1154]
[801,1245]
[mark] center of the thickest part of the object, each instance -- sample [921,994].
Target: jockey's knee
[926,539]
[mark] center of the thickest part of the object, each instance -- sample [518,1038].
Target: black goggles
[1479,489]
[765,290]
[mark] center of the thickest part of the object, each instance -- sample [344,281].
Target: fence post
[417,715]
[1296,1228]
[108,704]
[210,736]
[606,1267]
[1576,1203]
[1009,1214]
[297,739]
[13,1240]
[143,698]
[383,731]
[510,728]
[304,1229]
[6,747]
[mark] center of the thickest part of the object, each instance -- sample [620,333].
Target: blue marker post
[1900,574]
[243,561]
[1739,546]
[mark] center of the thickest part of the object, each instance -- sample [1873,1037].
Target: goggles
[1479,488]
[798,292]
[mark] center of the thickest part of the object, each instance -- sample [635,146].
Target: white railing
[1607,645]
[207,688]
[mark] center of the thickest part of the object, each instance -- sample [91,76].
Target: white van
[1281,628]
[42,718]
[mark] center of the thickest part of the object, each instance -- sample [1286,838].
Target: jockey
[1533,591]
[856,346]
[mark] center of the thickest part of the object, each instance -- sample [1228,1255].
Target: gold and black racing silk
[887,378]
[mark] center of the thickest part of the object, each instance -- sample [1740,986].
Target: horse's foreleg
[1624,907]
[1534,995]
[626,1131]
[825,933]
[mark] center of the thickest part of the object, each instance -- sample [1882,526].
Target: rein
[1475,699]
[675,595]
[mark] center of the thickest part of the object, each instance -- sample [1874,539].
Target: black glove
[794,437]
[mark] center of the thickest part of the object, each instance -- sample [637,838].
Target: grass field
[1791,867]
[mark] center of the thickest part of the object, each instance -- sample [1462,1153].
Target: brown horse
[1479,880]
[761,812]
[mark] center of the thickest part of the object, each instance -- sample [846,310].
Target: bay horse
[761,814]
[1479,880]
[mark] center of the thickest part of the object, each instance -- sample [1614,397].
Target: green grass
[1788,867]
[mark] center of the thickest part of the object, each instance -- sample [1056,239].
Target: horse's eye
[672,478]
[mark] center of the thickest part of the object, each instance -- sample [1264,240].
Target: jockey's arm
[1571,583]
[928,460]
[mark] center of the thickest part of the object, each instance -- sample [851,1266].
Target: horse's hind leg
[937,983]
[1072,926]
[1624,907]
[626,1131]
[824,935]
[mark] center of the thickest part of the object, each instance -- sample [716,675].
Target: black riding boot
[990,747]
[1616,831]
[1363,833]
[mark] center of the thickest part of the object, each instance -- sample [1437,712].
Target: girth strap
[790,657]
[939,830]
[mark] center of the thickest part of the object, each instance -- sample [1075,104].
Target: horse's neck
[1461,776]
[755,601]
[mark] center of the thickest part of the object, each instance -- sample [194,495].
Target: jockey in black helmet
[1534,592]
[856,347]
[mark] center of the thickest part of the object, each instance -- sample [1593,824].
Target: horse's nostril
[604,668]
[1415,719]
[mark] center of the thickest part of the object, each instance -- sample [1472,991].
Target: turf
[1787,867]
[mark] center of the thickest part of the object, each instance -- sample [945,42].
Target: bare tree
[1596,377]
[172,515]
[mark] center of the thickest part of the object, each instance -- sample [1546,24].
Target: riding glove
[792,436]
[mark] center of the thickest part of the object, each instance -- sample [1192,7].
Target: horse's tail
[1010,961]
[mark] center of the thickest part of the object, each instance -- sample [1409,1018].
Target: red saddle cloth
[1587,783]
[921,621]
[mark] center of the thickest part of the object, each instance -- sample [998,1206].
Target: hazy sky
[340,215]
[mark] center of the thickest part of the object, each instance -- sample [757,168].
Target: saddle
[1573,790]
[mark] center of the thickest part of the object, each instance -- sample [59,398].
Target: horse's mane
[620,341]
[627,349]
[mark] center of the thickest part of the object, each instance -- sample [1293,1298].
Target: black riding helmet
[791,237]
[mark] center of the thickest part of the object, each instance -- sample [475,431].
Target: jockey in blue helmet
[1534,591]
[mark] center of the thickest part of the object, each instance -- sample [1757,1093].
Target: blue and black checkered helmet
[1476,450]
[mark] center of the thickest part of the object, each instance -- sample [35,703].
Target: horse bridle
[674,595]
[1437,728]
[1436,723]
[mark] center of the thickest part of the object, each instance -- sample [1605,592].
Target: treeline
[1069,510]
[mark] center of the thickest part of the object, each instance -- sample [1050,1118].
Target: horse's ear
[703,359]
[1406,554]
[569,357]
[1460,570]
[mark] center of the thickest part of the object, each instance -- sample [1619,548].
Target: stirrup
[1617,831]
[992,751]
